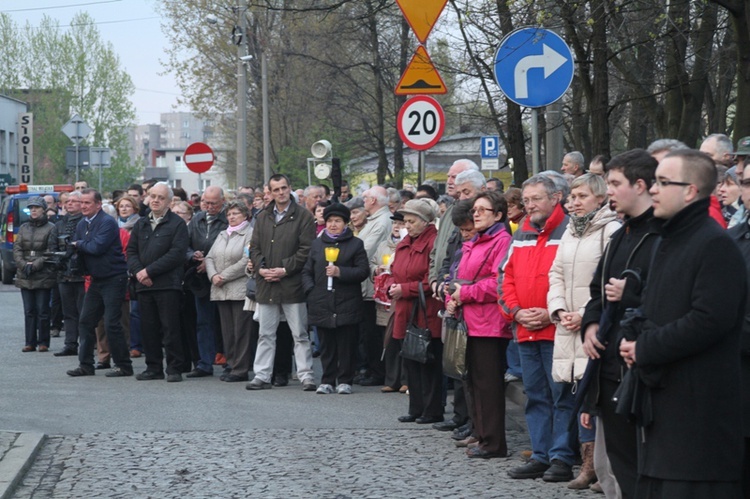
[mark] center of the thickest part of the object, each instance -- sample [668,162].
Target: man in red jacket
[523,298]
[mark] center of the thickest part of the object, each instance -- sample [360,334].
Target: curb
[17,460]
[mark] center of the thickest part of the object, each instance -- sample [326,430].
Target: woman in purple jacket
[474,292]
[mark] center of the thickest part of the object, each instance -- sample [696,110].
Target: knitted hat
[337,209]
[420,208]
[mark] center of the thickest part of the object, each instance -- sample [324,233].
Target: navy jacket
[99,245]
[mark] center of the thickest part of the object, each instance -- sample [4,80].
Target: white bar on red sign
[199,158]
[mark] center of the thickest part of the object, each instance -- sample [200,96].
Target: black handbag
[250,288]
[416,344]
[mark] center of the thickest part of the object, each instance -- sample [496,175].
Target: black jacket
[696,295]
[741,235]
[202,234]
[342,305]
[161,252]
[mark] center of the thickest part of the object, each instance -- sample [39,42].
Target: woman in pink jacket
[489,332]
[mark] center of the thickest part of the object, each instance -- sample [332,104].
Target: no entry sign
[199,157]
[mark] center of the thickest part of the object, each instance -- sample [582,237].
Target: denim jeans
[104,299]
[514,362]
[205,311]
[549,405]
[36,316]
[136,341]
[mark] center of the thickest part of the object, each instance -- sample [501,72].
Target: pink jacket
[479,300]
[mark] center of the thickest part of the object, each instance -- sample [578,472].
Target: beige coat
[228,258]
[569,279]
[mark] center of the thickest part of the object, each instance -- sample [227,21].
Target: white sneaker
[344,389]
[510,377]
[324,389]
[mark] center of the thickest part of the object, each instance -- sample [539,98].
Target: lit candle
[332,254]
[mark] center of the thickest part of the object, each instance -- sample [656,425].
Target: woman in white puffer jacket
[581,247]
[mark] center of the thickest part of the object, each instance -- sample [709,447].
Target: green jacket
[284,244]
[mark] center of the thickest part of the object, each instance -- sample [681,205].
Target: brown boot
[587,474]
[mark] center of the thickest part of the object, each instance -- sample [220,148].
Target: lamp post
[241,98]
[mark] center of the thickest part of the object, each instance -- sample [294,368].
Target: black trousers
[160,326]
[372,339]
[621,439]
[55,309]
[426,384]
[395,374]
[36,316]
[71,295]
[337,353]
[485,358]
[188,328]
[104,300]
[282,361]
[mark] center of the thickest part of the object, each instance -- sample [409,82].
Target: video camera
[66,261]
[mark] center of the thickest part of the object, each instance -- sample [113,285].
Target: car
[13,214]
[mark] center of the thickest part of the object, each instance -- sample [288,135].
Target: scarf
[580,223]
[335,236]
[237,228]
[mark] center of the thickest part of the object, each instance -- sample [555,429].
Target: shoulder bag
[416,344]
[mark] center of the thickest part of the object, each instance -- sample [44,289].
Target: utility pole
[241,97]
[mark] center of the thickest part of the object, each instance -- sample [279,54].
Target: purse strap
[419,303]
[481,266]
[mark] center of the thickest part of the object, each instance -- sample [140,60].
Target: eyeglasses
[481,211]
[534,200]
[745,182]
[210,203]
[666,183]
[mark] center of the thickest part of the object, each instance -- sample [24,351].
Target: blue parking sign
[490,147]
[533,67]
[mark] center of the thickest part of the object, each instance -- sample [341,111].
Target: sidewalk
[17,453]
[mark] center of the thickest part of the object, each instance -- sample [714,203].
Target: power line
[157,91]
[61,6]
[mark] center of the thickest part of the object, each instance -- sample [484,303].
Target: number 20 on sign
[421,122]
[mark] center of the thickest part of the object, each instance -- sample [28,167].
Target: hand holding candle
[332,254]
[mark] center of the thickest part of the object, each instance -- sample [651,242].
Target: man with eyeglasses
[617,285]
[684,352]
[524,283]
[202,233]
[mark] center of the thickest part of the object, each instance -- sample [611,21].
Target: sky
[134,29]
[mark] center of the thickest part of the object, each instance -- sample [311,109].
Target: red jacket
[525,278]
[410,269]
[714,211]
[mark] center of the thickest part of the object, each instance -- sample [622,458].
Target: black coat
[696,296]
[160,251]
[343,305]
[741,235]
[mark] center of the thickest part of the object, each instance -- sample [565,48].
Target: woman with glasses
[591,225]
[474,294]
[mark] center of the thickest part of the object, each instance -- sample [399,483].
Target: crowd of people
[614,293]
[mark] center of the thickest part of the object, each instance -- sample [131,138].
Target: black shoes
[462,431]
[532,469]
[558,472]
[233,378]
[80,371]
[370,381]
[65,352]
[149,375]
[103,365]
[280,380]
[198,373]
[449,425]
[119,372]
[407,419]
[174,378]
[428,419]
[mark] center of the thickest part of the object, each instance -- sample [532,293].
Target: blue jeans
[514,362]
[104,299]
[205,312]
[136,342]
[549,406]
[36,316]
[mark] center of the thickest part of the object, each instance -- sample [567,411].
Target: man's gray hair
[393,195]
[576,157]
[670,145]
[474,177]
[74,194]
[558,180]
[170,192]
[380,194]
[311,188]
[109,210]
[467,163]
[723,143]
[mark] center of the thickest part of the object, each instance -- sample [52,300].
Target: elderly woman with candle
[410,268]
[336,266]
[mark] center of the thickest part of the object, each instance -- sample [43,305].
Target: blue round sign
[534,67]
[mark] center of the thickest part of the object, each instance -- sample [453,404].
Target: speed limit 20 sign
[421,122]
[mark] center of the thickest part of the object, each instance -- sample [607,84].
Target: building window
[177,183]
[177,159]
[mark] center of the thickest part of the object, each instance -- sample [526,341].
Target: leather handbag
[454,347]
[416,344]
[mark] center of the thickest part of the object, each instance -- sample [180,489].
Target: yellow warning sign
[421,15]
[420,76]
